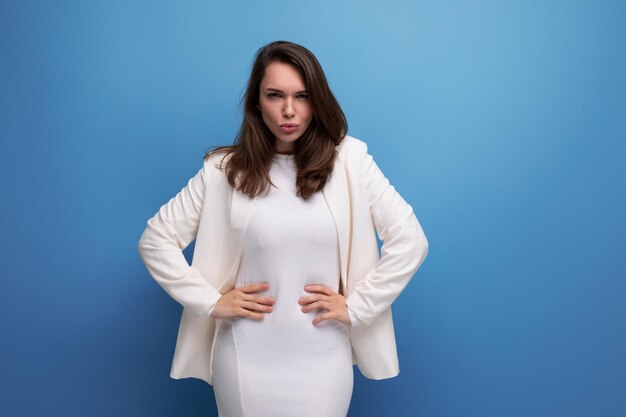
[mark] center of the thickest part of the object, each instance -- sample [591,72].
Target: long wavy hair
[251,155]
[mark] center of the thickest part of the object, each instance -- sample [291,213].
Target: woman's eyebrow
[280,91]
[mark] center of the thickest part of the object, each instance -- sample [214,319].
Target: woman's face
[284,104]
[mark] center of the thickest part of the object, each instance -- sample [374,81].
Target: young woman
[287,288]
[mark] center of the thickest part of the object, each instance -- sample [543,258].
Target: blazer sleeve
[403,250]
[354,320]
[165,237]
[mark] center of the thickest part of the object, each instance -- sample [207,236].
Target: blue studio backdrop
[501,122]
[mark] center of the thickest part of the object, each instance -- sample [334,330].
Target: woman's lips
[288,129]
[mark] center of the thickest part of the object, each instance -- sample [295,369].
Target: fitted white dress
[283,365]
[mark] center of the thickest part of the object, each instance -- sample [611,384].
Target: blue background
[501,122]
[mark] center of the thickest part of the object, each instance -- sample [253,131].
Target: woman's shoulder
[350,141]
[213,166]
[215,159]
[351,147]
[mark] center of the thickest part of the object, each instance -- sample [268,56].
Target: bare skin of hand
[243,302]
[327,299]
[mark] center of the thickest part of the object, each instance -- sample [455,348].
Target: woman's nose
[288,110]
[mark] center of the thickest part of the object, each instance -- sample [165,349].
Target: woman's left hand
[327,299]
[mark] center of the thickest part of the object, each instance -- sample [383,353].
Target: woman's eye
[275,95]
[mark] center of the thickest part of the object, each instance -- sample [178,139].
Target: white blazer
[209,210]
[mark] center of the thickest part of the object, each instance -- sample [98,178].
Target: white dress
[283,365]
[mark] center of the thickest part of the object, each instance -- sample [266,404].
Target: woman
[286,290]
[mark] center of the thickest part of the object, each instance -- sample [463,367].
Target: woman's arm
[165,237]
[403,250]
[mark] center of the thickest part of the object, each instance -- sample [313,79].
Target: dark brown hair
[254,147]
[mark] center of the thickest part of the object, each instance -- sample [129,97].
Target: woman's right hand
[241,302]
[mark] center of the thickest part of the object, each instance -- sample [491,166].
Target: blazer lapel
[336,195]
[240,210]
[337,198]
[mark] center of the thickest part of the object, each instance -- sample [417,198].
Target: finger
[314,297]
[256,307]
[322,317]
[317,304]
[260,299]
[251,314]
[318,288]
[251,288]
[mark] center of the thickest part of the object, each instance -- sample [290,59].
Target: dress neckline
[278,155]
